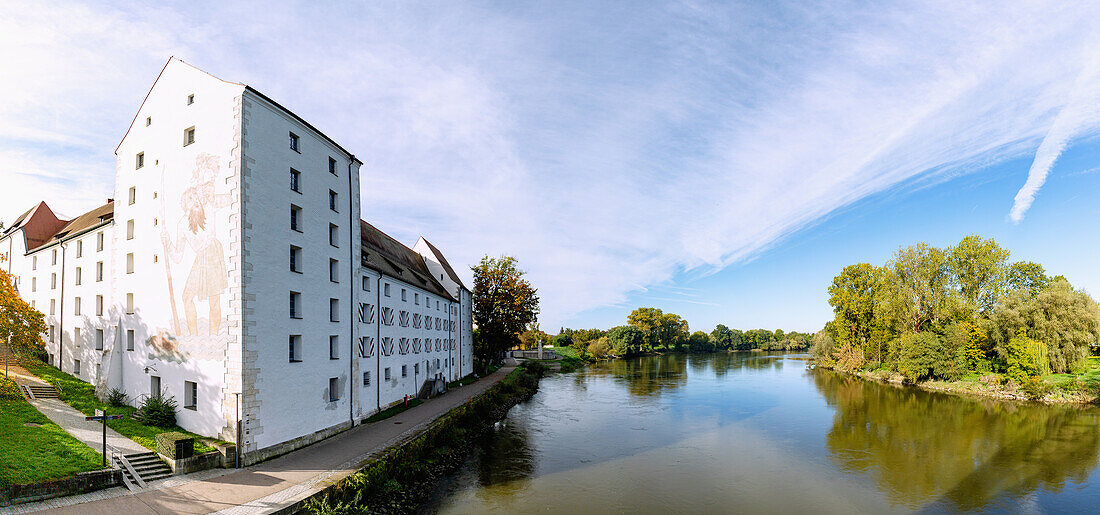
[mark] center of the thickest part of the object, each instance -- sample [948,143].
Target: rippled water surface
[752,432]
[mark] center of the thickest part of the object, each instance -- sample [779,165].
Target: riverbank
[1083,388]
[395,482]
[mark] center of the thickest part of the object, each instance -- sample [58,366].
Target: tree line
[651,330]
[932,313]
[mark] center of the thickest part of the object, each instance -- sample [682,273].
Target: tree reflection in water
[505,456]
[923,447]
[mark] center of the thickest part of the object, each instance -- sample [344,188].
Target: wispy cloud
[606,146]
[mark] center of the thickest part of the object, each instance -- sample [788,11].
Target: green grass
[469,379]
[567,352]
[393,410]
[1090,376]
[81,396]
[34,454]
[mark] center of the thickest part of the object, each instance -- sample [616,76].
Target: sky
[719,160]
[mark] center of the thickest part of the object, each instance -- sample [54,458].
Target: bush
[159,410]
[166,444]
[1020,359]
[599,348]
[1035,388]
[9,390]
[922,356]
[117,398]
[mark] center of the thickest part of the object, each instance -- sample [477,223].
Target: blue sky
[722,160]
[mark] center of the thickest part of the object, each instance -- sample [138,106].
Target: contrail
[1077,114]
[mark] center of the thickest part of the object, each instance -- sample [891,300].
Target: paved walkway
[273,484]
[71,420]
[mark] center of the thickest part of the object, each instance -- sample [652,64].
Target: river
[759,432]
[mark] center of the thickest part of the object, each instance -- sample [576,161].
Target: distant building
[232,271]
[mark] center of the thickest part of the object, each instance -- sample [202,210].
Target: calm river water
[752,432]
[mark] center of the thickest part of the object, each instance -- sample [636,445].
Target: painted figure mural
[196,229]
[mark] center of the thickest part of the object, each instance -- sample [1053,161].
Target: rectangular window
[334,310]
[79,248]
[99,271]
[366,346]
[129,339]
[34,263]
[333,235]
[139,161]
[129,303]
[77,276]
[76,337]
[295,218]
[334,347]
[129,229]
[386,290]
[148,121]
[295,259]
[34,284]
[76,367]
[332,166]
[53,333]
[99,339]
[295,180]
[404,371]
[190,395]
[416,299]
[76,306]
[295,348]
[53,259]
[154,386]
[387,373]
[53,281]
[333,389]
[190,99]
[188,136]
[404,295]
[130,263]
[133,196]
[99,242]
[294,143]
[332,200]
[295,304]
[53,303]
[366,284]
[98,305]
[366,378]
[333,270]
[416,368]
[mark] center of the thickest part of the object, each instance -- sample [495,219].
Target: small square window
[366,284]
[188,136]
[366,378]
[294,143]
[387,373]
[334,347]
[295,180]
[190,395]
[139,161]
[190,99]
[295,348]
[295,218]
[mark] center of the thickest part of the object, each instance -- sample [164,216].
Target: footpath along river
[759,432]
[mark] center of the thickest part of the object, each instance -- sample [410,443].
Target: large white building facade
[233,272]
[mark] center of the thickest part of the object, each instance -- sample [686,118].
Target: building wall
[181,246]
[279,386]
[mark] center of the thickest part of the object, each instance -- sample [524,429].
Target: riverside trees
[938,313]
[505,303]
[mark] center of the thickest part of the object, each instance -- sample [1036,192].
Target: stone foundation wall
[80,483]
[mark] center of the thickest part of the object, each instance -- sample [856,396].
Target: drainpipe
[61,317]
[378,343]
[351,298]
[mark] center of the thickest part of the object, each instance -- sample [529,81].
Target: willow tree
[504,304]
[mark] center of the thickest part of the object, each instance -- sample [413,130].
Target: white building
[233,272]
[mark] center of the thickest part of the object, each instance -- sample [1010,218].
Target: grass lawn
[389,412]
[81,395]
[566,352]
[32,454]
[469,379]
[1091,375]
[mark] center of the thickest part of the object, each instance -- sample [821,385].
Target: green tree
[1028,277]
[918,289]
[19,320]
[648,321]
[625,340]
[722,337]
[855,296]
[672,331]
[980,268]
[700,342]
[504,303]
[920,356]
[1066,320]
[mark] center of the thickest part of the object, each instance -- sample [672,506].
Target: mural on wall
[196,247]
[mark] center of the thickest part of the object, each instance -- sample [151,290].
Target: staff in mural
[206,281]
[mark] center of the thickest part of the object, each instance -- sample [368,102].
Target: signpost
[102,416]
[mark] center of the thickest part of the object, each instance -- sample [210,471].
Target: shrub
[166,443]
[1035,388]
[1020,359]
[922,356]
[9,390]
[117,398]
[159,410]
[599,348]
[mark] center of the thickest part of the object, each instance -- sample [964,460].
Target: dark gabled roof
[84,222]
[39,224]
[390,257]
[19,220]
[443,261]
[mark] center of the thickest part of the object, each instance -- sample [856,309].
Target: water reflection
[955,452]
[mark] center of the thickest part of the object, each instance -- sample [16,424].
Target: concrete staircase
[140,468]
[35,391]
